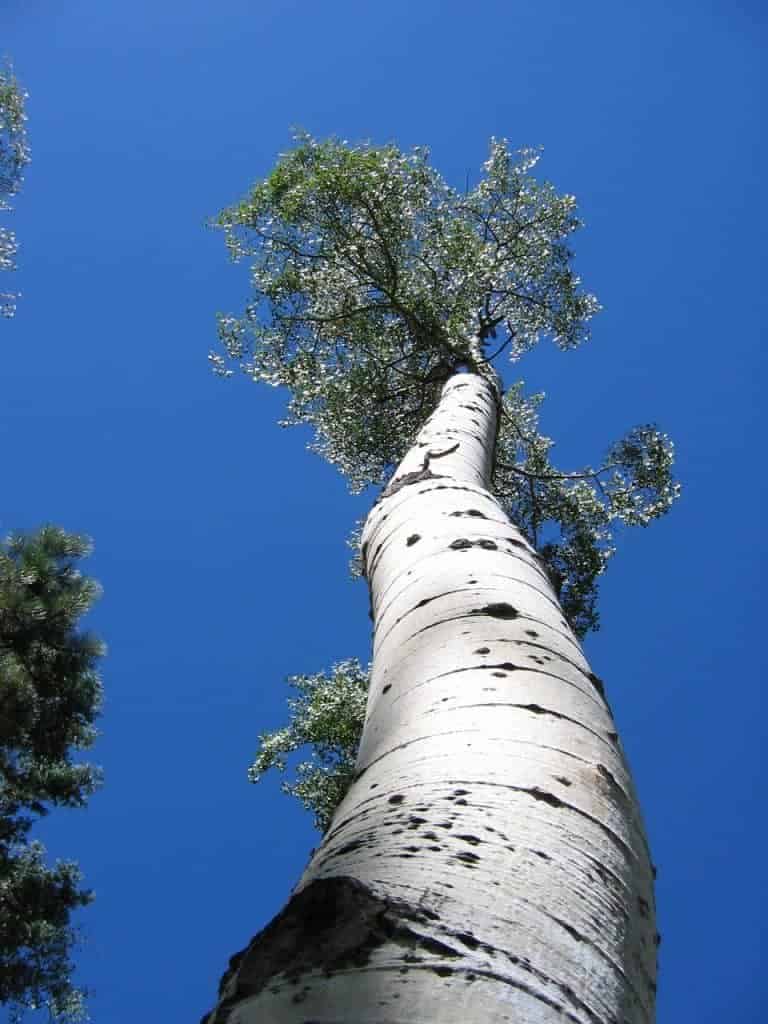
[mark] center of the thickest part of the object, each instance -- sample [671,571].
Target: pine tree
[484,857]
[49,698]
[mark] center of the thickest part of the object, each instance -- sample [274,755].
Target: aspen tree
[483,857]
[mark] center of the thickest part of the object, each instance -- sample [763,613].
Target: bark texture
[489,862]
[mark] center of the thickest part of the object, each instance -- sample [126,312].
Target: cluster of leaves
[14,156]
[570,517]
[50,696]
[327,717]
[373,280]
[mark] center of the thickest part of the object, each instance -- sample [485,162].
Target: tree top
[374,280]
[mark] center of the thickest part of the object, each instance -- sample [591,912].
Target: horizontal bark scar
[472,512]
[407,479]
[425,473]
[462,544]
[497,610]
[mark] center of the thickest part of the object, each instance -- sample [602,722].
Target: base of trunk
[332,925]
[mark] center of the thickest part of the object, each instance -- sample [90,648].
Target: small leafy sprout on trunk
[327,719]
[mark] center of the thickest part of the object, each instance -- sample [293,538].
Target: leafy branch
[14,156]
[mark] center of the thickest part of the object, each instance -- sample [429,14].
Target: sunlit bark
[489,862]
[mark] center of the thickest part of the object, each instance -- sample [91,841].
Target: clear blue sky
[220,542]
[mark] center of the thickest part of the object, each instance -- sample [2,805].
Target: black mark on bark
[471,512]
[467,856]
[437,948]
[410,478]
[546,798]
[462,544]
[334,924]
[613,786]
[498,610]
[597,682]
[425,473]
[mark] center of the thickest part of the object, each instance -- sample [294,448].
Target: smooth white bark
[489,863]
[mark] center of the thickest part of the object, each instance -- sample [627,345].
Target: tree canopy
[374,280]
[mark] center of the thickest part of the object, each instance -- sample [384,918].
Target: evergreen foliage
[373,282]
[50,696]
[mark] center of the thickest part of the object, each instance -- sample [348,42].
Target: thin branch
[534,515]
[594,475]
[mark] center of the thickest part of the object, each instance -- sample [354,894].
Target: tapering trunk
[489,862]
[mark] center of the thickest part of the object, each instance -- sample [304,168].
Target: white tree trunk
[489,862]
